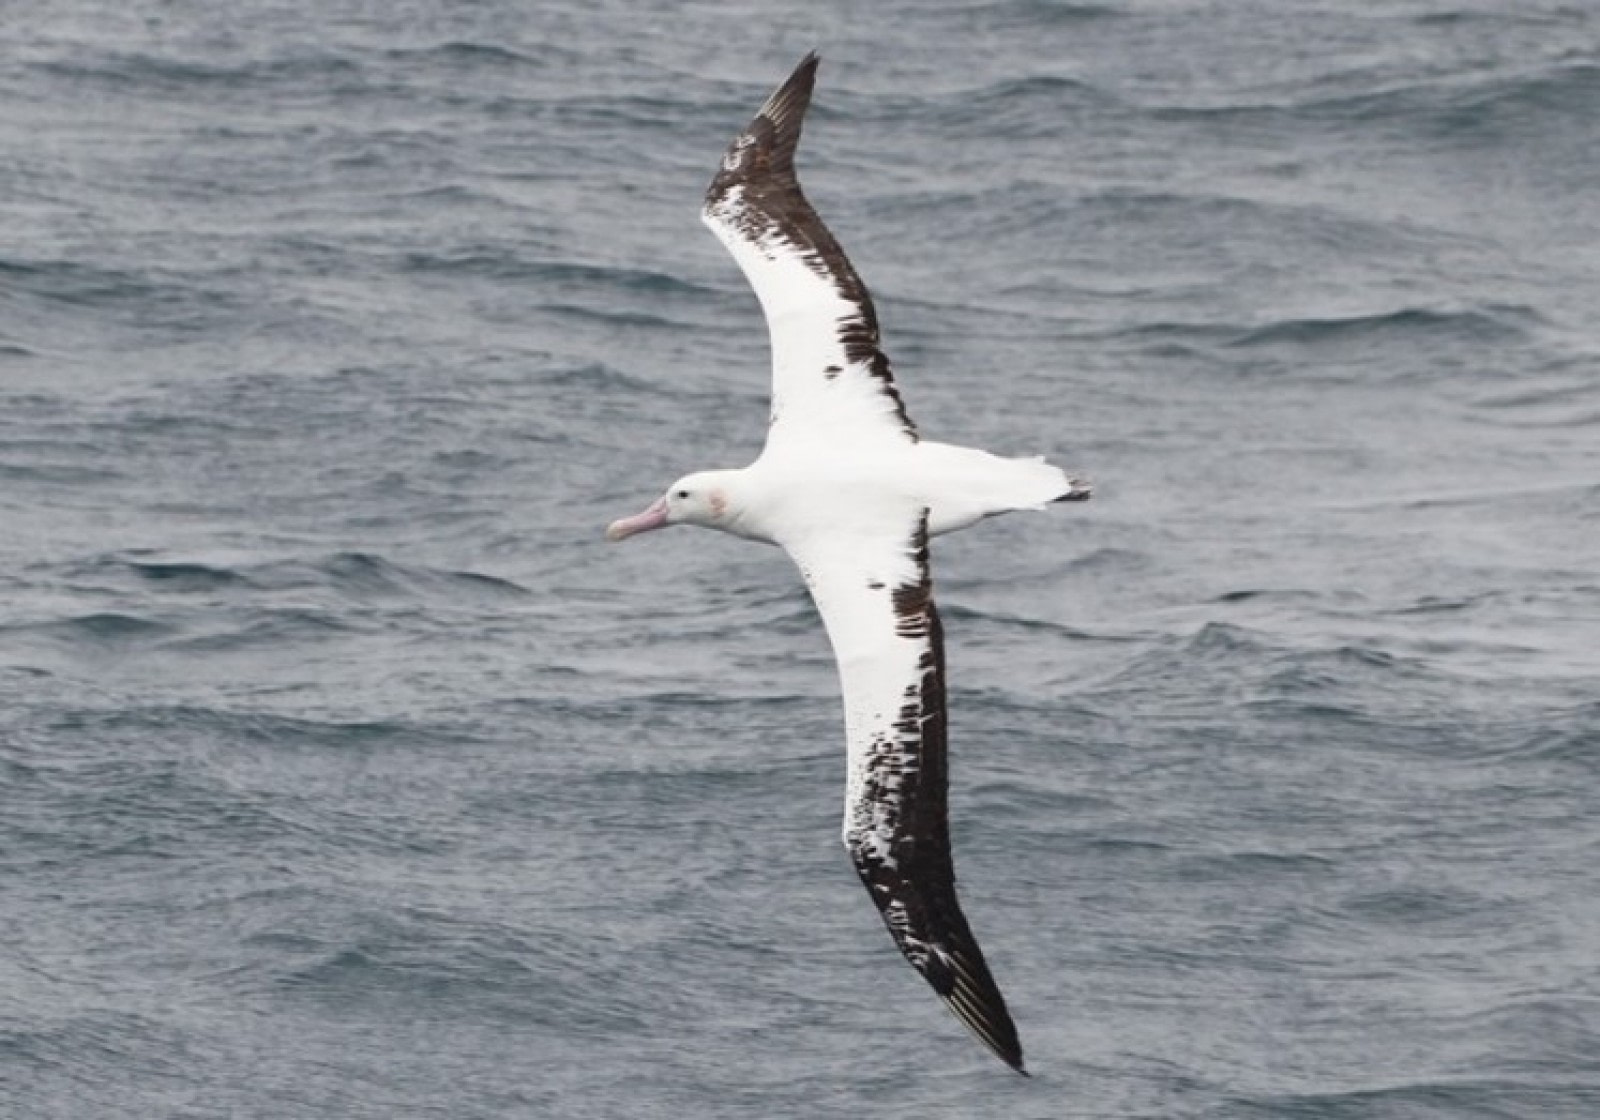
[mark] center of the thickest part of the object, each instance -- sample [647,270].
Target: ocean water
[345,771]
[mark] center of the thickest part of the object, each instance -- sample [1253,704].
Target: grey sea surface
[346,772]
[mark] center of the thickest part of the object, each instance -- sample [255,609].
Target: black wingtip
[969,991]
[791,99]
[1000,1038]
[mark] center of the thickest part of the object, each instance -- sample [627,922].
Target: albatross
[851,491]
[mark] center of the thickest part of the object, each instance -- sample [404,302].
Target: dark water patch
[688,782]
[1020,798]
[1256,867]
[471,462]
[1039,14]
[1464,1098]
[464,55]
[1048,87]
[82,1040]
[137,71]
[1576,497]
[495,262]
[608,381]
[1168,338]
[441,195]
[1413,325]
[413,962]
[1416,906]
[159,307]
[177,576]
[611,317]
[187,727]
[1347,685]
[1284,595]
[81,284]
[361,575]
[268,628]
[599,118]
[676,699]
[66,474]
[1216,661]
[1224,638]
[614,278]
[1438,604]
[490,586]
[1448,110]
[1565,395]
[366,577]
[1538,16]
[489,262]
[958,613]
[1110,559]
[1128,847]
[1024,108]
[1568,736]
[1569,92]
[1546,1034]
[185,576]
[101,631]
[97,809]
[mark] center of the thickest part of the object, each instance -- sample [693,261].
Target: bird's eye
[683,493]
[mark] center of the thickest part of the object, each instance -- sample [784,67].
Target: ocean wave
[168,73]
[954,613]
[1487,324]
[176,575]
[1568,736]
[1037,14]
[1448,108]
[79,283]
[467,55]
[97,630]
[1020,108]
[505,263]
[1445,1098]
[1562,395]
[192,724]
[355,576]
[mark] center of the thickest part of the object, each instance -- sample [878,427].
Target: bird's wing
[872,587]
[829,378]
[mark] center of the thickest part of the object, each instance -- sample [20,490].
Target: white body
[791,490]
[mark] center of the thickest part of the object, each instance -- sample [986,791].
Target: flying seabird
[849,489]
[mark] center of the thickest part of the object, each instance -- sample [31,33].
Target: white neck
[740,495]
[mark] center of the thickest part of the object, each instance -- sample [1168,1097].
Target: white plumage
[846,486]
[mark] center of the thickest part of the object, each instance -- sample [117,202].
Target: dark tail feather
[1078,490]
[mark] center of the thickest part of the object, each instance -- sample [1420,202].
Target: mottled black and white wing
[829,378]
[871,583]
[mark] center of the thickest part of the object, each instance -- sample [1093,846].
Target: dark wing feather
[876,599]
[828,368]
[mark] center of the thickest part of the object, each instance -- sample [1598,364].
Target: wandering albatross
[847,487]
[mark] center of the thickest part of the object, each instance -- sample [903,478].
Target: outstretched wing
[829,379]
[875,595]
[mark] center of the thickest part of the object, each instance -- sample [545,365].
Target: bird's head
[695,499]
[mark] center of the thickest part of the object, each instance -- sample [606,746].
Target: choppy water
[345,772]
